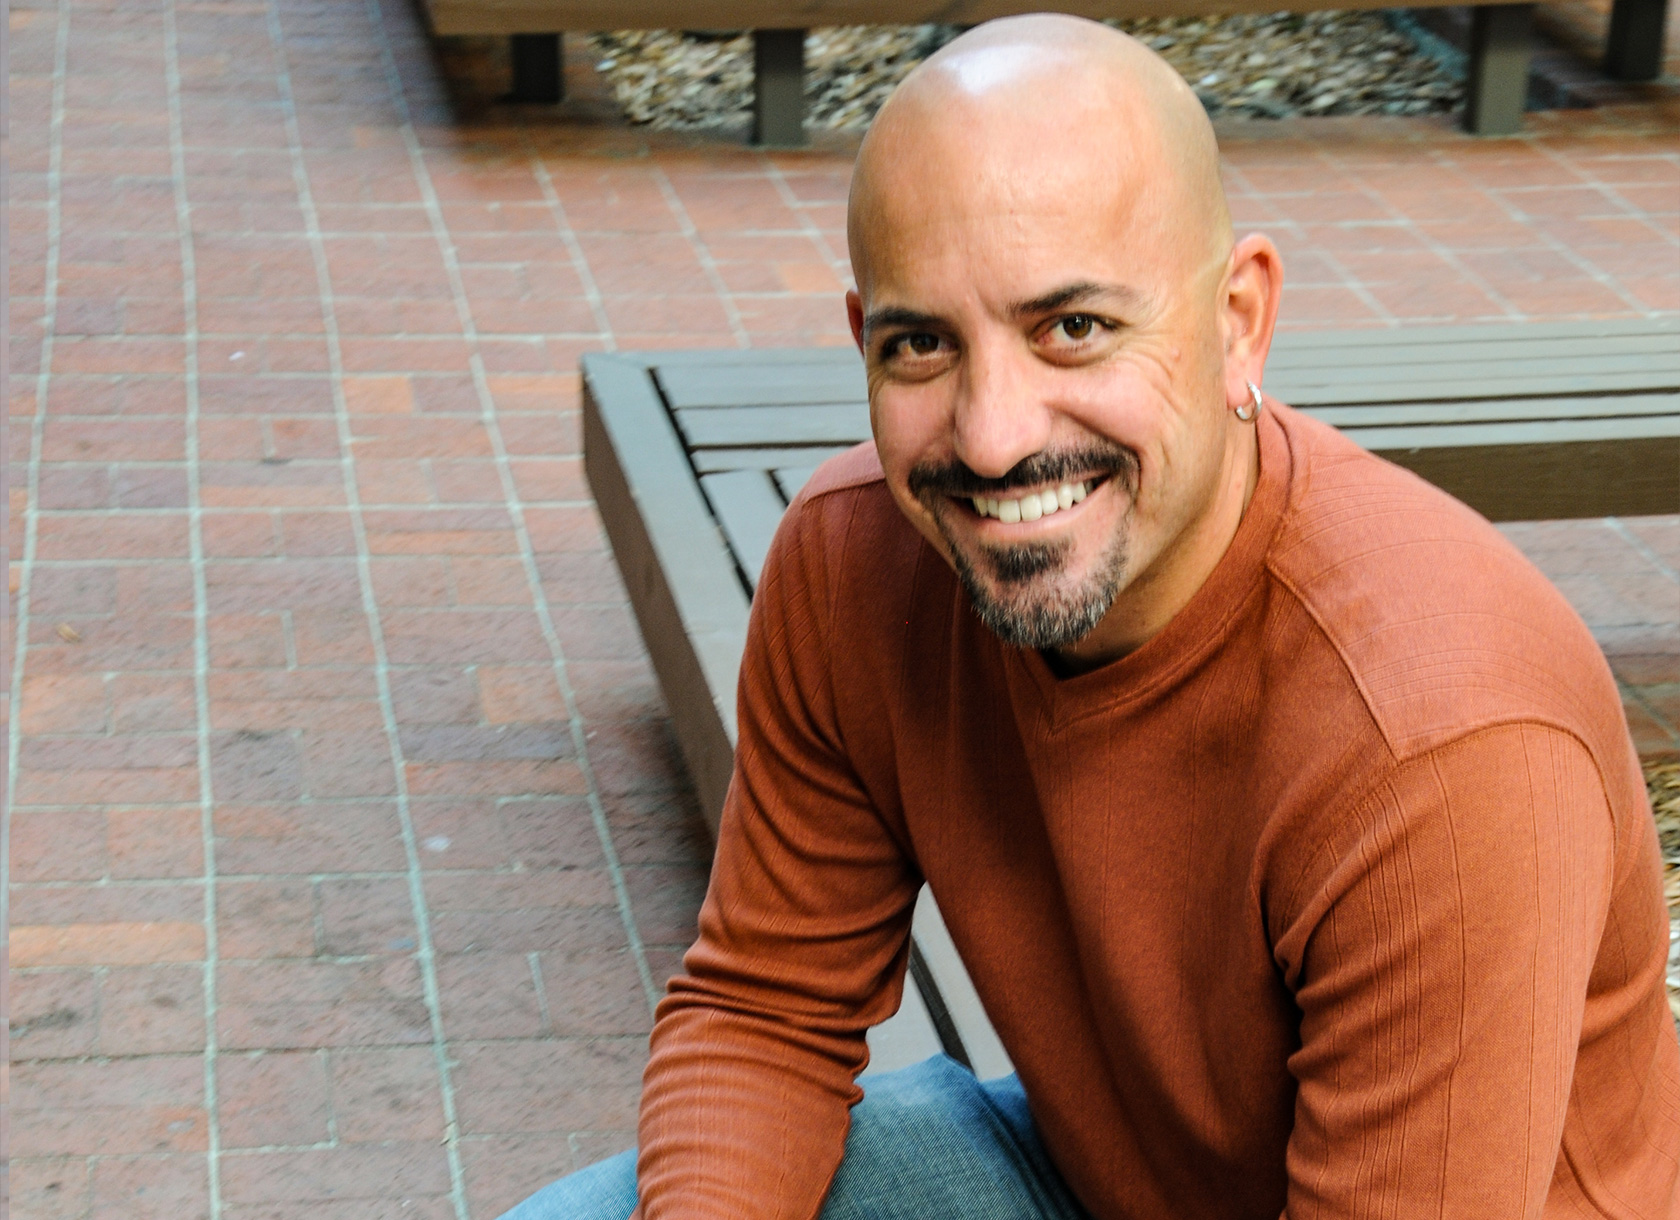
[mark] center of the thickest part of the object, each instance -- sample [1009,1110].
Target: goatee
[1015,589]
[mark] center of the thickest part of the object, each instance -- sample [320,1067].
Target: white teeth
[1033,505]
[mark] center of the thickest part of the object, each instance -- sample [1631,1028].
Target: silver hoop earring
[1255,404]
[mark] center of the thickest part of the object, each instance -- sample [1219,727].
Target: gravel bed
[1272,66]
[1662,781]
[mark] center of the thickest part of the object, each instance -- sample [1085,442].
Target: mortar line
[201,598]
[842,267]
[545,1023]
[1629,212]
[1562,249]
[1644,548]
[425,955]
[319,510]
[37,429]
[1629,691]
[574,248]
[1350,281]
[516,511]
[703,252]
[1360,289]
[1442,252]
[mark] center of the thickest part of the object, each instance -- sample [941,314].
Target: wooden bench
[1498,63]
[693,456]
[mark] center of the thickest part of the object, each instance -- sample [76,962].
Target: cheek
[906,426]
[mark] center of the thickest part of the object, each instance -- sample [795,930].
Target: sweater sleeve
[803,939]
[1441,969]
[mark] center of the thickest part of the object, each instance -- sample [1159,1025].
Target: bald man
[1284,816]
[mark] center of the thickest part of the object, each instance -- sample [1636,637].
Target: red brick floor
[350,848]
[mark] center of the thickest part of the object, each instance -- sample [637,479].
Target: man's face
[1045,375]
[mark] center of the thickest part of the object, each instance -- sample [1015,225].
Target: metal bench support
[537,74]
[779,88]
[1634,50]
[1499,52]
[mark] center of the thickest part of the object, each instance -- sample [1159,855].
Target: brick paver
[350,846]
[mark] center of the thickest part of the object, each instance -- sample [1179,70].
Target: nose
[1000,416]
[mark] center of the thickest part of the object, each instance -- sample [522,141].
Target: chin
[1029,598]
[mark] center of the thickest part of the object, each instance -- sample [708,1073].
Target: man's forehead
[1023,239]
[1040,151]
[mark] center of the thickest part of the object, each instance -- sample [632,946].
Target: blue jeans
[927,1143]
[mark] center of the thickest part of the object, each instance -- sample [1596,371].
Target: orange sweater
[1339,898]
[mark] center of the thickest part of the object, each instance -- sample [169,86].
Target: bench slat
[1520,432]
[757,426]
[1472,355]
[793,481]
[676,564]
[1398,385]
[1299,385]
[1456,414]
[724,386]
[713,461]
[749,508]
[1374,338]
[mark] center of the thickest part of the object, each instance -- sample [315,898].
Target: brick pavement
[350,846]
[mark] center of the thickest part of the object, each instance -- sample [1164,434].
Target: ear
[1253,288]
[854,315]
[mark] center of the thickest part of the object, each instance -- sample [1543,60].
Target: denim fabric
[927,1143]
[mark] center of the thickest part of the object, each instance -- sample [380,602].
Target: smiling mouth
[1031,505]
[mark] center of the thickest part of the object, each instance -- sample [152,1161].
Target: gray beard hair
[1055,620]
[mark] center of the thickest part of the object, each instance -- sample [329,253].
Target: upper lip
[1017,491]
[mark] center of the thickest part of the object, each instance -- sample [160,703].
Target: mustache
[954,478]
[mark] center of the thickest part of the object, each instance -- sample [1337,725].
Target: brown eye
[1079,326]
[922,344]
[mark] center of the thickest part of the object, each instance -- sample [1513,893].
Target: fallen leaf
[69,634]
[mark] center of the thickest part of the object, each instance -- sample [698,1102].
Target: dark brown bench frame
[1498,57]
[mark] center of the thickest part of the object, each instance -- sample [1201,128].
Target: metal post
[779,88]
[1634,50]
[537,74]
[1498,86]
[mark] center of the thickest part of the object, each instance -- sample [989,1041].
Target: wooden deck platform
[694,455]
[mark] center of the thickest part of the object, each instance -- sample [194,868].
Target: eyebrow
[1057,298]
[1073,294]
[895,316]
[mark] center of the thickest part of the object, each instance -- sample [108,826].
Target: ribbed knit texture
[1339,898]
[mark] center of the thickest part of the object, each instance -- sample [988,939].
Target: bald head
[1051,311]
[1043,104]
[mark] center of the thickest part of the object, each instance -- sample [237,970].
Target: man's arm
[1442,969]
[802,945]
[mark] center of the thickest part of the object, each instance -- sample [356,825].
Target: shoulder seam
[1311,612]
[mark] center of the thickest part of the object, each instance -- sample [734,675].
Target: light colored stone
[1268,66]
